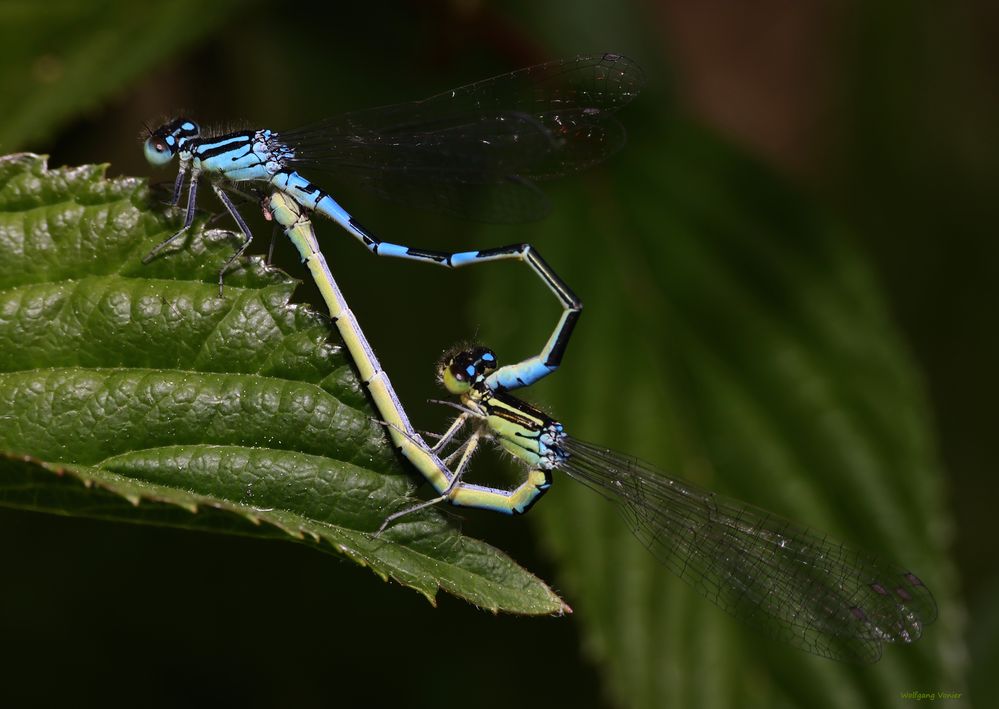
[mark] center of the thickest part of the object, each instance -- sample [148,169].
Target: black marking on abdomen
[503,250]
[542,489]
[368,237]
[438,256]
[561,344]
[310,189]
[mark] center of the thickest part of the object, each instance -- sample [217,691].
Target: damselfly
[785,580]
[475,151]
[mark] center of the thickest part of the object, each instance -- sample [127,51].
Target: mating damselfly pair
[477,151]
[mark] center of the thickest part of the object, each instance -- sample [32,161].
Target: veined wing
[779,577]
[493,136]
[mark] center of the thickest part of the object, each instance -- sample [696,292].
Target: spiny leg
[237,217]
[442,439]
[192,200]
[470,447]
[450,433]
[178,184]
[244,197]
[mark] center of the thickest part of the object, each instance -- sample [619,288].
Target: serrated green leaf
[136,393]
[733,336]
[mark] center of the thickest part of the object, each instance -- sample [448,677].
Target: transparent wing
[485,140]
[512,200]
[781,578]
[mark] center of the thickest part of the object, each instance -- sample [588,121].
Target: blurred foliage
[733,333]
[64,56]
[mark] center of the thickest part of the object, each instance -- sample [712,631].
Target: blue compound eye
[157,150]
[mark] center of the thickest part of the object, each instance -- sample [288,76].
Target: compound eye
[157,150]
[455,375]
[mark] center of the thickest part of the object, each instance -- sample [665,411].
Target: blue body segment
[314,199]
[393,250]
[462,258]
[515,376]
[247,156]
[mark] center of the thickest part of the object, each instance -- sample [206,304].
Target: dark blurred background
[880,113]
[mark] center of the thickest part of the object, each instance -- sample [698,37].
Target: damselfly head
[163,143]
[459,371]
